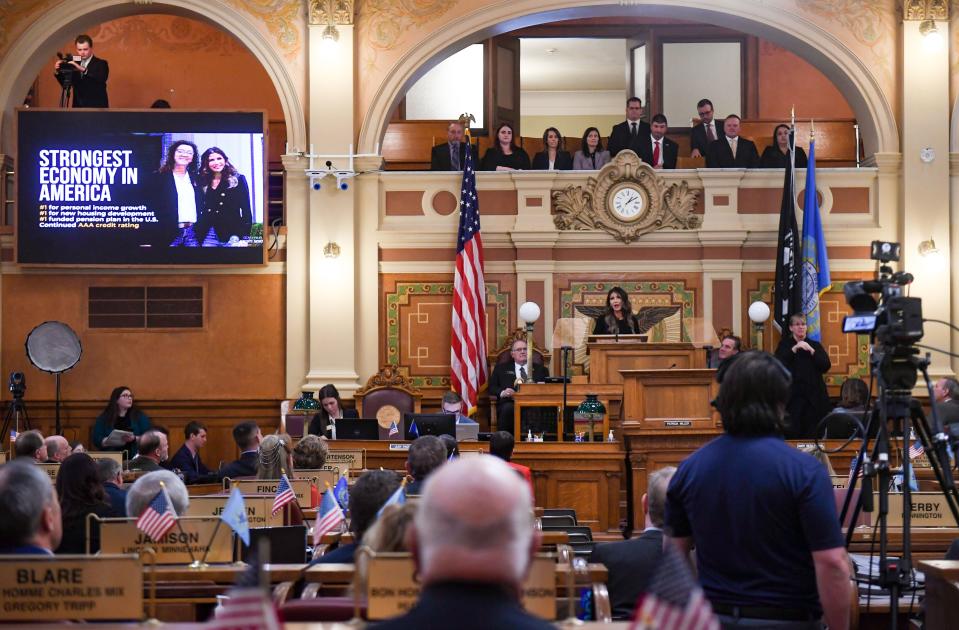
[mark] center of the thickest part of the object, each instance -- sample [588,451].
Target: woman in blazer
[226,201]
[591,156]
[552,157]
[505,155]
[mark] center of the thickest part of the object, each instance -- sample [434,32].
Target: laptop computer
[357,429]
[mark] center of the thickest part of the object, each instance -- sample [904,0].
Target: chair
[561,512]
[502,355]
[387,395]
[563,520]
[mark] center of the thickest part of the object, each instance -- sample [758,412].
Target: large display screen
[156,187]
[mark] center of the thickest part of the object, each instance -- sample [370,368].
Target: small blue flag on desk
[413,430]
[234,515]
[342,492]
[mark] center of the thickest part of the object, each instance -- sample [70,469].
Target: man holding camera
[86,74]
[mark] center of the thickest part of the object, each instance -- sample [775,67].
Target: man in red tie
[658,150]
[705,132]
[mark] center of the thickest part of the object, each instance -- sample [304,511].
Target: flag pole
[202,564]
[194,564]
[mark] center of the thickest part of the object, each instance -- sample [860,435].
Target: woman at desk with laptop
[331,410]
[618,317]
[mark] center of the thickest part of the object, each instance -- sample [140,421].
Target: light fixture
[331,250]
[931,37]
[306,402]
[330,34]
[529,313]
[758,314]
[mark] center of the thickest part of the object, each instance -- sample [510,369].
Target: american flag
[329,517]
[158,518]
[394,430]
[916,449]
[284,494]
[673,599]
[468,369]
[246,609]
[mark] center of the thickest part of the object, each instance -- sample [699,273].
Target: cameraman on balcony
[87,75]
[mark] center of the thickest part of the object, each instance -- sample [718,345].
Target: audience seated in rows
[144,489]
[367,496]
[473,540]
[187,458]
[29,444]
[58,449]
[426,454]
[632,563]
[31,522]
[247,437]
[81,494]
[153,449]
[275,457]
[110,474]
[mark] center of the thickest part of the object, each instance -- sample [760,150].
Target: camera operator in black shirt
[85,74]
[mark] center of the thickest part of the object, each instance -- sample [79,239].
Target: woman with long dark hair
[776,155]
[80,494]
[225,195]
[123,414]
[505,155]
[177,196]
[331,410]
[591,156]
[619,317]
[553,157]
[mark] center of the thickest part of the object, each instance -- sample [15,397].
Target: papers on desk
[867,571]
[117,438]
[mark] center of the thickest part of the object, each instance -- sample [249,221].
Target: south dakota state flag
[815,261]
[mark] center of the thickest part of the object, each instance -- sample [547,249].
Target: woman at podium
[618,317]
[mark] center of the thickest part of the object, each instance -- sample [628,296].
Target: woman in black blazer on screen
[504,155]
[552,157]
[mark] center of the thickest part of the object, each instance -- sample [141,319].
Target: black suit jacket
[90,87]
[440,157]
[320,424]
[564,162]
[620,138]
[631,564]
[243,467]
[720,155]
[948,411]
[504,375]
[165,204]
[697,137]
[670,151]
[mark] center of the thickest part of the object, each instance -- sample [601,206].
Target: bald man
[473,540]
[31,523]
[58,449]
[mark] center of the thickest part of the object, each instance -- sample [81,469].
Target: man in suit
[705,133]
[450,155]
[31,523]
[153,449]
[659,151]
[88,76]
[58,449]
[247,437]
[30,444]
[187,458]
[631,563]
[630,133]
[426,454]
[110,474]
[503,385]
[731,151]
[946,392]
[472,540]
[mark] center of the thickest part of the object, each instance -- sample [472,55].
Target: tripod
[16,413]
[899,366]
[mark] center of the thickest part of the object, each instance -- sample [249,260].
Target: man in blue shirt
[110,474]
[31,522]
[760,514]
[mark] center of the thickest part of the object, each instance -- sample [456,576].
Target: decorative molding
[325,12]
[919,10]
[660,207]
[389,376]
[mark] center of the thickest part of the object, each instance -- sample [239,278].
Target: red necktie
[656,154]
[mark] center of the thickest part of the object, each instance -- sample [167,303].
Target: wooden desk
[609,357]
[942,592]
[551,395]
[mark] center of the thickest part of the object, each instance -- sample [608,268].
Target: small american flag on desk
[158,518]
[284,494]
[673,600]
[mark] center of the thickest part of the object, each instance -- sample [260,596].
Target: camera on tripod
[65,71]
[18,384]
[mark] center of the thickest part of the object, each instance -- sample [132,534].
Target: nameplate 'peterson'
[71,588]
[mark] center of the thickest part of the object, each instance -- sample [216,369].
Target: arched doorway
[817,46]
[38,42]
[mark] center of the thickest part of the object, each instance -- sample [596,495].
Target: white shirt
[732,143]
[185,198]
[653,142]
[517,367]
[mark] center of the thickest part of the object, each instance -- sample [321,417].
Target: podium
[550,395]
[610,354]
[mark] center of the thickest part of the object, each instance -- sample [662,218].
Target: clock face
[628,203]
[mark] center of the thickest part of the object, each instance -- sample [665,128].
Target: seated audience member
[657,150]
[390,533]
[80,494]
[777,555]
[310,453]
[110,474]
[729,347]
[30,444]
[776,155]
[632,563]
[187,458]
[731,151]
[505,155]
[451,155]
[853,395]
[591,156]
[121,413]
[473,540]
[153,450]
[367,496]
[145,489]
[324,423]
[58,449]
[452,447]
[946,393]
[452,403]
[840,423]
[247,437]
[31,522]
[704,133]
[426,454]
[275,457]
[501,444]
[553,157]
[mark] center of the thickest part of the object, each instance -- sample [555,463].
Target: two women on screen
[618,317]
